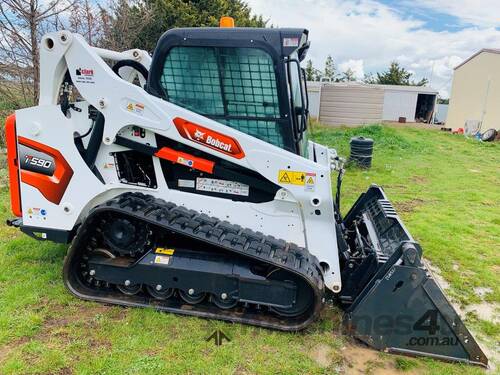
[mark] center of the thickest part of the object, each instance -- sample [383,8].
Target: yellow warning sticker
[292,177]
[162,250]
[310,181]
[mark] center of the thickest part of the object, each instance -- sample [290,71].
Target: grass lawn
[446,189]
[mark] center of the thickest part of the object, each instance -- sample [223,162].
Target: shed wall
[350,105]
[399,104]
[476,89]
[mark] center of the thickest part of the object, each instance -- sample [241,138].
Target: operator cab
[247,78]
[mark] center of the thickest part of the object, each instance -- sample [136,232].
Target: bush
[5,110]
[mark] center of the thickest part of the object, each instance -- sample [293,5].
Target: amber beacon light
[226,21]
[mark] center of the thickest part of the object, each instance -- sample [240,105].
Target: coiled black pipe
[361,151]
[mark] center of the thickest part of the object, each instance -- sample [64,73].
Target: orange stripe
[190,161]
[15,191]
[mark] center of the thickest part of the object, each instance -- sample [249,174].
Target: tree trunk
[35,53]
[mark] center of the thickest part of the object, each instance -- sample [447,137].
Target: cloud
[377,34]
[357,66]
[484,13]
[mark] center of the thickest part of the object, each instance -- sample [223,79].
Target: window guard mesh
[235,86]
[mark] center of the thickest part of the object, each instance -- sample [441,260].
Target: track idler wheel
[160,293]
[130,290]
[191,297]
[224,301]
[304,299]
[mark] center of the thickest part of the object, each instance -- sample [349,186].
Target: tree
[397,75]
[149,19]
[22,23]
[329,71]
[312,74]
[424,81]
[369,79]
[348,76]
[309,70]
[85,19]
[125,24]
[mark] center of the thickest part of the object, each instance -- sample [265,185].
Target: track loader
[186,183]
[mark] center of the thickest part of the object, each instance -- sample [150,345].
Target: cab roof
[283,40]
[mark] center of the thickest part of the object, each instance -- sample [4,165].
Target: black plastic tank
[361,151]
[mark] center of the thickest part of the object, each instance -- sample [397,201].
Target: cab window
[234,86]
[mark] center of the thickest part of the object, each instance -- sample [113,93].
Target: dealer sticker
[290,42]
[84,75]
[134,107]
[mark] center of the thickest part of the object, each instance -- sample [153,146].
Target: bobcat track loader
[185,182]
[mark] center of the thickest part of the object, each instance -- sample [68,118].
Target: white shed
[414,103]
[354,103]
[313,91]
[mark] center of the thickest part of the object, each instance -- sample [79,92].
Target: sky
[427,37]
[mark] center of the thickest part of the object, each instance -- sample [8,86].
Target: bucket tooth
[392,303]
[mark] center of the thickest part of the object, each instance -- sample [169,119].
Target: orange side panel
[12,162]
[51,187]
[188,160]
[209,138]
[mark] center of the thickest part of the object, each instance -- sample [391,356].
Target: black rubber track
[228,237]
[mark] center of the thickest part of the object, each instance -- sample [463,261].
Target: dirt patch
[359,360]
[65,371]
[62,318]
[482,292]
[408,206]
[436,273]
[322,355]
[419,180]
[54,330]
[485,311]
[8,348]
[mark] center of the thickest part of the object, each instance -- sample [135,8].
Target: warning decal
[162,250]
[291,177]
[310,181]
[162,259]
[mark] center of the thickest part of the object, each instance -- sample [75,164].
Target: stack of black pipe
[361,151]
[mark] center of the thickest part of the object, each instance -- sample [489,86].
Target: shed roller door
[351,105]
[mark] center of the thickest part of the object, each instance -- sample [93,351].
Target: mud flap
[400,308]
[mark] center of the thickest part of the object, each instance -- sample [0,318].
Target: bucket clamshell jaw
[391,301]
